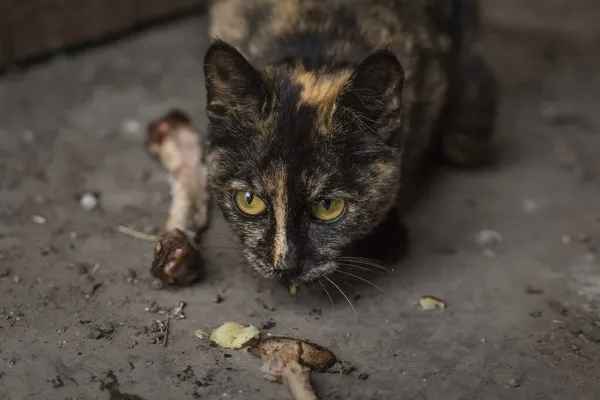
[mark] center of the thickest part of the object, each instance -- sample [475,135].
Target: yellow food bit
[201,334]
[232,335]
[430,303]
[293,289]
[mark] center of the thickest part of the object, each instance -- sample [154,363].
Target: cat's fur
[312,99]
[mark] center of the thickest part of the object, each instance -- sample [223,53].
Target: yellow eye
[249,203]
[328,209]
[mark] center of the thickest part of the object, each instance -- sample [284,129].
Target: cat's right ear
[233,86]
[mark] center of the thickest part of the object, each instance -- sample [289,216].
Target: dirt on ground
[512,248]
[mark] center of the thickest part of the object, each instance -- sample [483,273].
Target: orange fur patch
[321,90]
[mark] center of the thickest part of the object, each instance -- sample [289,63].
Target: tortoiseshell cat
[320,112]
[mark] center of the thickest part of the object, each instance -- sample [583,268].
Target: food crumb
[178,311]
[431,302]
[233,335]
[293,289]
[202,334]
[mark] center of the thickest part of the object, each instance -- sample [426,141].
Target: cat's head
[302,163]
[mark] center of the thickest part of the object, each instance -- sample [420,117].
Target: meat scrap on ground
[290,361]
[179,148]
[176,261]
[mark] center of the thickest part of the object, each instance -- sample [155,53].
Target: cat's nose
[289,268]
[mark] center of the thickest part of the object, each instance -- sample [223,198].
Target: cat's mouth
[298,277]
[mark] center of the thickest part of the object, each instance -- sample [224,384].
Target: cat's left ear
[373,93]
[233,85]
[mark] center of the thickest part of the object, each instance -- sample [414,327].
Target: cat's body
[325,110]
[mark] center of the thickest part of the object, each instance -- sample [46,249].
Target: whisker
[343,294]
[372,284]
[362,279]
[370,263]
[364,261]
[326,292]
[378,262]
[362,268]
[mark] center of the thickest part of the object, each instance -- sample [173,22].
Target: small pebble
[566,239]
[106,328]
[489,237]
[530,206]
[591,331]
[514,382]
[342,368]
[132,127]
[363,376]
[535,314]
[178,311]
[28,136]
[157,284]
[489,253]
[94,333]
[38,219]
[152,308]
[16,279]
[270,324]
[89,201]
[533,290]
[590,257]
[584,238]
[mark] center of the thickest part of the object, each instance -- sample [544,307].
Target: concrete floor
[522,321]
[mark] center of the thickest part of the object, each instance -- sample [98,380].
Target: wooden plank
[578,20]
[32,28]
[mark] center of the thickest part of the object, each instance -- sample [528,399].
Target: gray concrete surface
[522,320]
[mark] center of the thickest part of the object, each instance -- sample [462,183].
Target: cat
[321,111]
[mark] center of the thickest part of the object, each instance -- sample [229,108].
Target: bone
[284,365]
[176,261]
[178,146]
